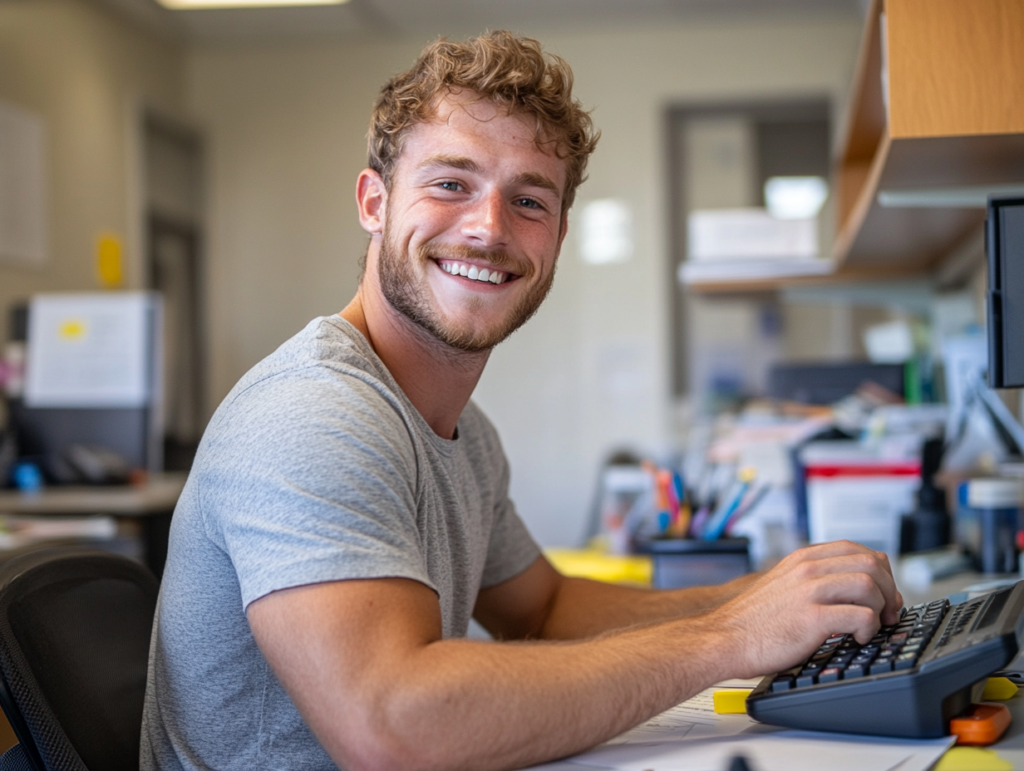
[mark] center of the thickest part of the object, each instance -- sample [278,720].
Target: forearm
[584,608]
[465,704]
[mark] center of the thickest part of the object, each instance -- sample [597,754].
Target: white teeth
[474,273]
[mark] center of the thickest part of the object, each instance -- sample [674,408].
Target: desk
[151,503]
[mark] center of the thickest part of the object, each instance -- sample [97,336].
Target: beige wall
[284,128]
[87,74]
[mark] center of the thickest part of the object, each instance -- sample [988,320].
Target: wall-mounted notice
[22,186]
[89,350]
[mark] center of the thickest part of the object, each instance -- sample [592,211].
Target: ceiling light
[793,198]
[186,5]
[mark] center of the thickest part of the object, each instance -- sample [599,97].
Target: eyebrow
[450,161]
[534,179]
[531,178]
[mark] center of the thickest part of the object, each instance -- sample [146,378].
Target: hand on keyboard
[781,619]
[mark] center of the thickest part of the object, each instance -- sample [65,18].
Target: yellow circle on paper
[71,330]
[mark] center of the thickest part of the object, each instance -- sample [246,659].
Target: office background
[269,136]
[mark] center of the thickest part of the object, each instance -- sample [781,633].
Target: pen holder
[681,562]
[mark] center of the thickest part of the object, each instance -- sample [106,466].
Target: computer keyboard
[909,680]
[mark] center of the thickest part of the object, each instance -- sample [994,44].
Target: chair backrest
[74,645]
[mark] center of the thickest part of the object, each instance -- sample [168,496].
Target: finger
[874,565]
[850,589]
[857,620]
[834,549]
[891,614]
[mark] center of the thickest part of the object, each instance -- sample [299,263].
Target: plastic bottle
[995,506]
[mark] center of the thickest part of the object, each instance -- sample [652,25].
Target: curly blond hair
[511,71]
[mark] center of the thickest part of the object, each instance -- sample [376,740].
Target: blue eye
[528,203]
[451,185]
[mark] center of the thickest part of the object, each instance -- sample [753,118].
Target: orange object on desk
[981,725]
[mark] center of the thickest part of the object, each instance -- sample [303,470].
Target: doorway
[174,268]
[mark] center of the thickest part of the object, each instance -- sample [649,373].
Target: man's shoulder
[326,341]
[323,383]
[327,355]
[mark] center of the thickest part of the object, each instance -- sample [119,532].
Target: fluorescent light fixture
[188,5]
[795,198]
[946,197]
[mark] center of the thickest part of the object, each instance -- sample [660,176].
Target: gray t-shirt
[316,467]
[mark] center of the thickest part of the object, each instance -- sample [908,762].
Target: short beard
[398,284]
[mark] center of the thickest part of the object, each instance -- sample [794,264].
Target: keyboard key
[805,680]
[905,661]
[877,667]
[781,683]
[830,675]
[855,670]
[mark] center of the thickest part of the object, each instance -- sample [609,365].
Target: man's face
[472,224]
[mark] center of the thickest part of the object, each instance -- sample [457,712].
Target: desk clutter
[751,488]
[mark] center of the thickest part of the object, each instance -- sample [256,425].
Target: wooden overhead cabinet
[950,128]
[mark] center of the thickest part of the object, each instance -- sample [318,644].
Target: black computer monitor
[1004,243]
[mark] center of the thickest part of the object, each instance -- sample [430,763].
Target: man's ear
[371,198]
[563,230]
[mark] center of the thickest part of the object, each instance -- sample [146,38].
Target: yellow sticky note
[109,267]
[732,701]
[972,759]
[999,689]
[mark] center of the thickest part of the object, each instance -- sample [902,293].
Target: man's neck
[436,378]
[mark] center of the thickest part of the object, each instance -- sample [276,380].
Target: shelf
[955,119]
[955,70]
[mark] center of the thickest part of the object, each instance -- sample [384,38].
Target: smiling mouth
[474,272]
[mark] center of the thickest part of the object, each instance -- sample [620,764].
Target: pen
[739,763]
[748,505]
[716,525]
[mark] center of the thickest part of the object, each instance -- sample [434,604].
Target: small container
[987,525]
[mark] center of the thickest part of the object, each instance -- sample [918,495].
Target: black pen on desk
[739,763]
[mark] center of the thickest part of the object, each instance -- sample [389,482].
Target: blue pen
[716,525]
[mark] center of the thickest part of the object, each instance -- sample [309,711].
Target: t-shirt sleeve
[510,549]
[306,492]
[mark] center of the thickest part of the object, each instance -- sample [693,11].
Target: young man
[348,509]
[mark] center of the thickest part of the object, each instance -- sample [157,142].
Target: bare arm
[542,603]
[365,663]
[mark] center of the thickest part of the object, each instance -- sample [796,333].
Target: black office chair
[74,644]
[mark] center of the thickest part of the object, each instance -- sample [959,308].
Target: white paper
[748,234]
[89,350]
[692,737]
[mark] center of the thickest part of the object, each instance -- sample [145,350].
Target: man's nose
[484,222]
